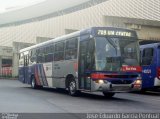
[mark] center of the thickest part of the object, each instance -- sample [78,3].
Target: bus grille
[121,81]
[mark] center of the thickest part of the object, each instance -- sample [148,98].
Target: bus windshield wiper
[113,45]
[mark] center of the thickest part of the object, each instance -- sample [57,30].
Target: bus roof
[150,45]
[81,32]
[145,42]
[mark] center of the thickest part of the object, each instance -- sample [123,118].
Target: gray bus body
[75,57]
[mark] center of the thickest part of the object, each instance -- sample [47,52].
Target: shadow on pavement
[149,93]
[85,95]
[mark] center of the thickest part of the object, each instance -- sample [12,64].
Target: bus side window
[26,59]
[33,56]
[71,49]
[147,56]
[37,55]
[59,51]
[40,55]
[49,50]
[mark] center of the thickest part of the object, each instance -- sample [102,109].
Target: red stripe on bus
[37,77]
[45,78]
[131,69]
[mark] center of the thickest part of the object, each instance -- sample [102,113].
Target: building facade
[140,15]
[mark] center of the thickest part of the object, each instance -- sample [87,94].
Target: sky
[7,5]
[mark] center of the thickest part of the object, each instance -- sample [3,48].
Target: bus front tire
[33,83]
[108,94]
[72,88]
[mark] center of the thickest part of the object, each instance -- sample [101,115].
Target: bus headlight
[138,82]
[100,81]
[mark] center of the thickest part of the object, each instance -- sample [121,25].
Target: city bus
[104,59]
[150,61]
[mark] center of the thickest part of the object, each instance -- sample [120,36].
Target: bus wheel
[33,83]
[108,95]
[72,88]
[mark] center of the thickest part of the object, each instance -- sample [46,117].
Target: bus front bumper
[109,87]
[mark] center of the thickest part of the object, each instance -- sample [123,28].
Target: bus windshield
[113,53]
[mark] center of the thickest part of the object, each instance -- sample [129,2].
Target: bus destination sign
[114,33]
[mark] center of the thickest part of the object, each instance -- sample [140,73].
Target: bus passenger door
[148,66]
[84,63]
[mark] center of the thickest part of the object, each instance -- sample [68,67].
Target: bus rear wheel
[33,83]
[72,88]
[108,94]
